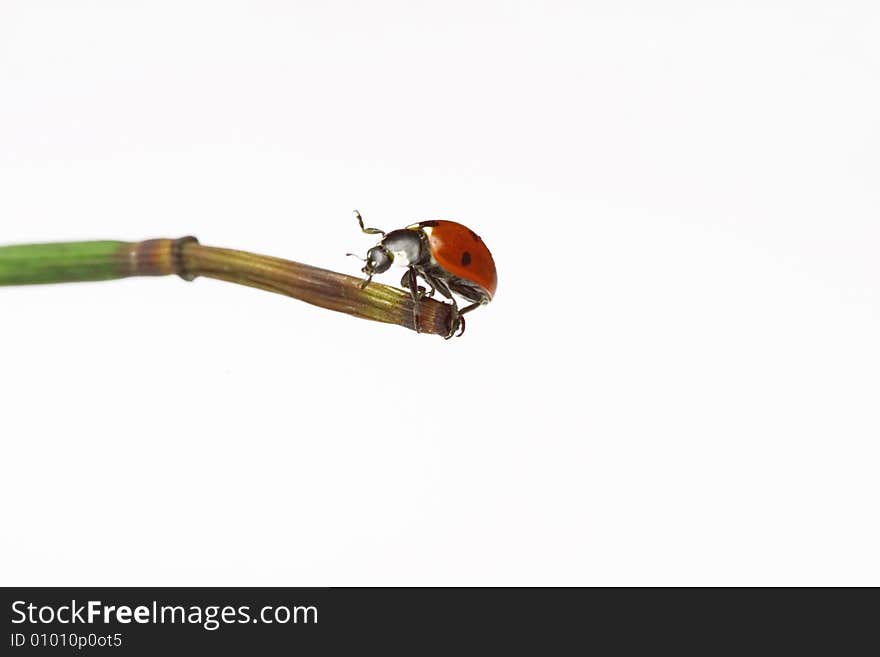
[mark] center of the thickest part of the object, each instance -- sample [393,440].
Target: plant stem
[95,261]
[59,263]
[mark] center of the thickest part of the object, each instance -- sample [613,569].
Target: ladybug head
[379,259]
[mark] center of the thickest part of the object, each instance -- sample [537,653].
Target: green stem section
[97,261]
[60,263]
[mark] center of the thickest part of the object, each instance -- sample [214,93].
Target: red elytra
[461,252]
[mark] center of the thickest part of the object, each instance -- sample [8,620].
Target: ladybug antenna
[369,231]
[369,278]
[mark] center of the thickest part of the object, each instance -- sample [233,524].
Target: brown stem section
[320,287]
[160,257]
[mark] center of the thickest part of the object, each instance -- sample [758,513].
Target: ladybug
[446,255]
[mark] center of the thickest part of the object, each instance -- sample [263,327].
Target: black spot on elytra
[465,258]
[428,224]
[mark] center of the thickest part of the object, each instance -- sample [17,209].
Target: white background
[677,382]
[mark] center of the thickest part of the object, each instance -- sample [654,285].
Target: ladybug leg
[409,280]
[369,231]
[464,310]
[430,294]
[405,282]
[461,313]
[456,323]
[439,284]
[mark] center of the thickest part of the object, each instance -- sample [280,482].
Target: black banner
[325,621]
